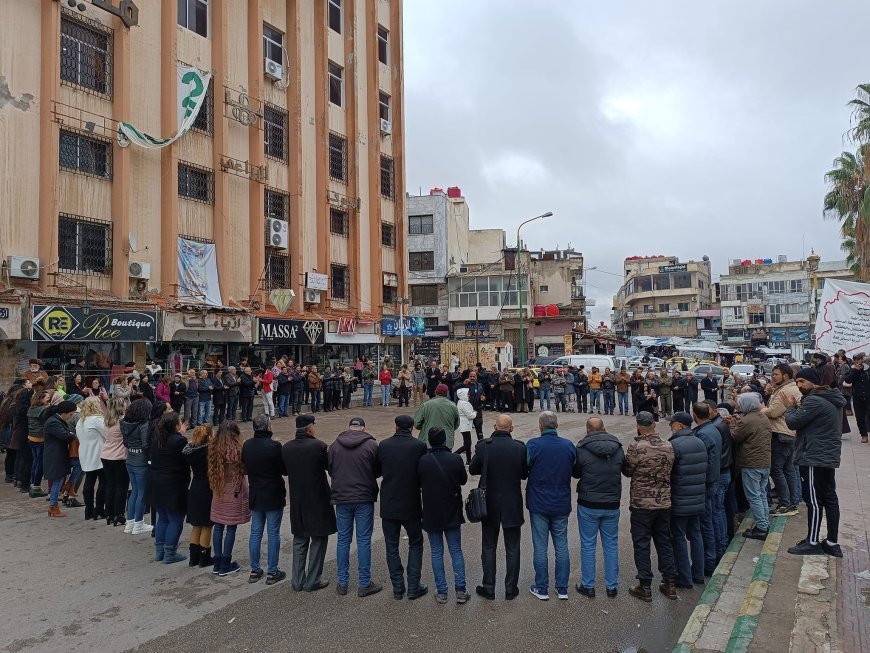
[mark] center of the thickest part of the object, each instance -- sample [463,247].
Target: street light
[522,342]
[401,301]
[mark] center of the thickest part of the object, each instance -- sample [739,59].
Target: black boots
[205,559]
[195,555]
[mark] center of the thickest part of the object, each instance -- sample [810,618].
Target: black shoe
[255,576]
[398,595]
[832,549]
[588,592]
[275,577]
[422,590]
[755,533]
[510,596]
[481,591]
[683,587]
[320,585]
[373,588]
[612,592]
[341,590]
[642,592]
[804,548]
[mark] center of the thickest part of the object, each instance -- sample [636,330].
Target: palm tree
[860,131]
[848,200]
[849,246]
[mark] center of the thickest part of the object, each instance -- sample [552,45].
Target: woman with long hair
[114,459]
[91,433]
[121,388]
[35,421]
[75,386]
[58,437]
[229,486]
[199,497]
[7,415]
[136,433]
[168,480]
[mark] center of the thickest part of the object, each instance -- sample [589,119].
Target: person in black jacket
[284,388]
[857,379]
[261,456]
[168,480]
[692,386]
[145,388]
[218,397]
[400,505]
[442,475]
[231,383]
[726,459]
[199,498]
[678,392]
[177,390]
[246,394]
[688,486]
[599,463]
[433,378]
[55,458]
[507,466]
[312,517]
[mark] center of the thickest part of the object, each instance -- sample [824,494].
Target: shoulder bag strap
[482,483]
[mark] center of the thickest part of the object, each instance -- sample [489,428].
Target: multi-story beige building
[663,297]
[293,169]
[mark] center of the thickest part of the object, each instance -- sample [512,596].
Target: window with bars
[388,189]
[383,105]
[424,296]
[421,261]
[275,131]
[337,157]
[419,225]
[86,54]
[277,270]
[334,15]
[383,44]
[340,281]
[84,245]
[89,156]
[336,83]
[338,223]
[276,204]
[204,122]
[193,15]
[388,234]
[195,183]
[389,295]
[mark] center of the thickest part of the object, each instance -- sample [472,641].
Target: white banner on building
[843,321]
[192,88]
[197,273]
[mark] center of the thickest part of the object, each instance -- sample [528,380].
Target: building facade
[662,297]
[290,178]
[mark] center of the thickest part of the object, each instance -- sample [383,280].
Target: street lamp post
[401,301]
[518,266]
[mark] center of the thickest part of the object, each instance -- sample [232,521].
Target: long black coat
[397,462]
[306,461]
[169,474]
[442,475]
[262,458]
[507,467]
[199,493]
[55,456]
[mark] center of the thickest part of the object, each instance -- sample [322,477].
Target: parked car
[768,365]
[681,363]
[540,361]
[587,360]
[743,369]
[701,370]
[654,363]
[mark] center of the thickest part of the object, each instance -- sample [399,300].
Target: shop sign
[245,169]
[291,332]
[409,326]
[207,326]
[346,326]
[4,313]
[77,324]
[281,299]
[428,347]
[316,281]
[476,329]
[680,267]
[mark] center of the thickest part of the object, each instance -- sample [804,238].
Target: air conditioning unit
[463,270]
[23,267]
[386,126]
[276,233]
[139,270]
[311,296]
[274,70]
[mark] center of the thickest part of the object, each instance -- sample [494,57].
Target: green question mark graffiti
[189,102]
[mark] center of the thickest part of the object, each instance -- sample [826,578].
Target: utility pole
[522,343]
[477,333]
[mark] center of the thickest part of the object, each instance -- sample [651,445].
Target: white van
[588,361]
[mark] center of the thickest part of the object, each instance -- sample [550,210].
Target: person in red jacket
[265,379]
[386,379]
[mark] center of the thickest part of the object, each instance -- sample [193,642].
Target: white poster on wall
[197,273]
[843,321]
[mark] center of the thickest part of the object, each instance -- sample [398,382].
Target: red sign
[346,326]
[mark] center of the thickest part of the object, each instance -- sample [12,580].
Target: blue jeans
[54,492]
[783,470]
[271,520]
[36,449]
[592,522]
[385,395]
[545,394]
[609,401]
[708,532]
[623,401]
[683,528]
[755,488]
[560,401]
[363,515]
[454,545]
[204,412]
[594,396]
[223,539]
[543,526]
[283,400]
[315,401]
[169,525]
[136,500]
[720,518]
[368,391]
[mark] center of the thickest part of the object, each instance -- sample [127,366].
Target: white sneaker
[538,594]
[141,527]
[563,596]
[128,527]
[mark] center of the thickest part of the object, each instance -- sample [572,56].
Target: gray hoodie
[353,468]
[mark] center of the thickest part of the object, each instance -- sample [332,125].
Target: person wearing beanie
[439,411]
[397,460]
[818,423]
[751,435]
[442,475]
[56,463]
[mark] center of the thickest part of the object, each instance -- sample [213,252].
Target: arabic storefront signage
[410,326]
[680,267]
[77,324]
[207,326]
[242,107]
[245,169]
[291,332]
[4,313]
[316,281]
[476,329]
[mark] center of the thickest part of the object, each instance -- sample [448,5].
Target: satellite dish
[131,238]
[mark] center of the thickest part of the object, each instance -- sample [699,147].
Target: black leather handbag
[475,503]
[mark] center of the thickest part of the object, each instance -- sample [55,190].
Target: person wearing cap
[353,460]
[818,422]
[397,461]
[752,434]
[439,411]
[56,462]
[598,466]
[648,462]
[710,436]
[782,468]
[312,517]
[857,379]
[688,488]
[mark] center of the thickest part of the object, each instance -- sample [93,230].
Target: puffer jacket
[689,474]
[819,423]
[711,438]
[775,410]
[599,465]
[648,462]
[466,411]
[752,439]
[137,439]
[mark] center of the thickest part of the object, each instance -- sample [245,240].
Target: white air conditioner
[139,270]
[276,233]
[386,126]
[311,296]
[23,267]
[273,70]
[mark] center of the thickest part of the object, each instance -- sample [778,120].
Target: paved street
[76,586]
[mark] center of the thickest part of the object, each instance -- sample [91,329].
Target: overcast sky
[668,127]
